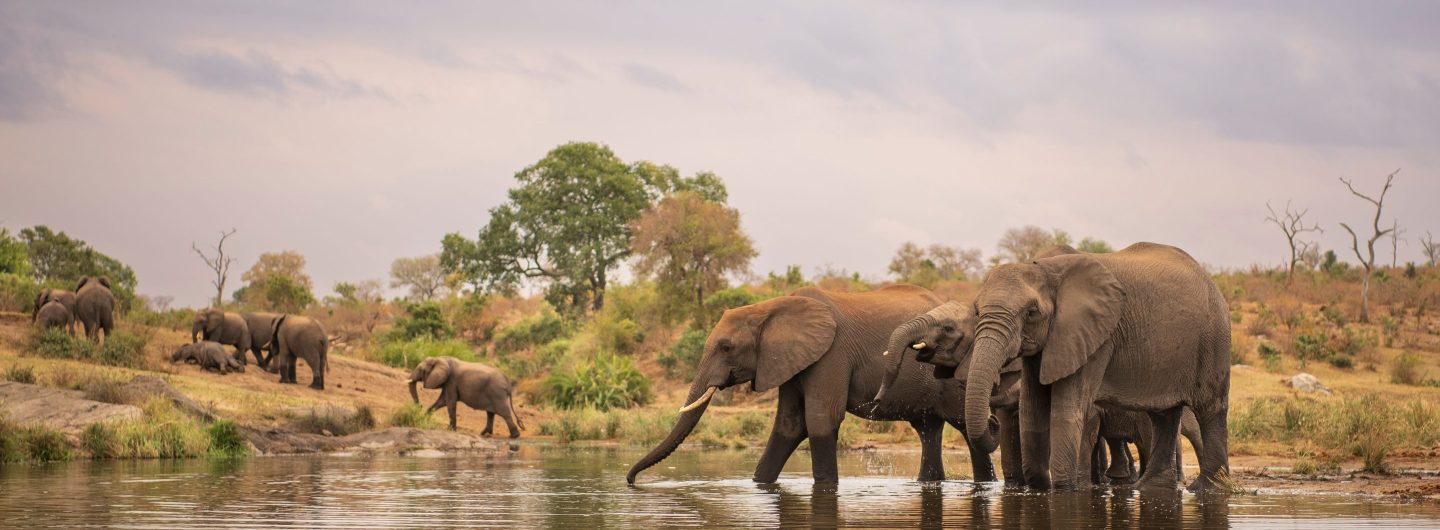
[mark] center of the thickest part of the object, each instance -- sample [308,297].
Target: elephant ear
[794,331]
[81,283]
[439,372]
[1088,301]
[104,281]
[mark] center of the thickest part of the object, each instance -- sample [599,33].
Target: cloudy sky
[356,132]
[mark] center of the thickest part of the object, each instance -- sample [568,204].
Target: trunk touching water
[984,371]
[683,425]
[900,340]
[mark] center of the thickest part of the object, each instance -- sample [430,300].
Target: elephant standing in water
[479,386]
[95,307]
[299,337]
[1142,329]
[822,350]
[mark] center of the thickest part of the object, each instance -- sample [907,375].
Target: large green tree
[567,224]
[689,245]
[56,259]
[277,282]
[14,259]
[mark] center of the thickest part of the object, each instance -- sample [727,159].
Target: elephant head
[45,295]
[1060,308]
[183,353]
[433,372]
[763,344]
[938,337]
[101,280]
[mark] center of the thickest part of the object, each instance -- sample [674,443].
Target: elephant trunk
[984,371]
[900,340]
[694,409]
[414,396]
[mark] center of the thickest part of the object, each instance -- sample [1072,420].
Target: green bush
[1334,315]
[545,358]
[123,348]
[424,320]
[406,355]
[163,431]
[1390,328]
[100,440]
[335,421]
[621,336]
[20,374]
[412,415]
[55,343]
[1270,357]
[684,355]
[226,439]
[17,292]
[609,382]
[716,304]
[35,443]
[1312,346]
[541,328]
[174,319]
[1354,342]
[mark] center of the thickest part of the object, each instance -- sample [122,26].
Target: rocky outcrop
[1306,383]
[64,410]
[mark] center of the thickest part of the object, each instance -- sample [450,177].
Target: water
[559,487]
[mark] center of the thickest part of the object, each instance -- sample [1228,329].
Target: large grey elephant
[95,307]
[299,337]
[54,315]
[822,350]
[1141,329]
[47,295]
[262,328]
[210,355]
[479,386]
[223,327]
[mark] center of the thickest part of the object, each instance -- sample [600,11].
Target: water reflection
[561,487]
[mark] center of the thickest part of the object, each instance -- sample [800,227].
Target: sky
[358,132]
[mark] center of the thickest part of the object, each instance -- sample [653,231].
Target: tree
[1020,245]
[1094,246]
[57,259]
[1432,252]
[689,245]
[423,276]
[1395,240]
[358,305]
[219,264]
[277,281]
[1310,256]
[928,266]
[1292,224]
[14,259]
[567,225]
[1368,262]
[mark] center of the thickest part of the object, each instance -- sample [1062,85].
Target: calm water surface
[558,487]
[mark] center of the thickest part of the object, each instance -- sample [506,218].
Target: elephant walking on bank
[55,315]
[480,386]
[47,295]
[303,338]
[225,328]
[822,350]
[95,307]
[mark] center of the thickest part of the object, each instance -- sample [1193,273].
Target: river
[563,487]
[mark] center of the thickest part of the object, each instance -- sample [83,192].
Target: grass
[32,443]
[1405,369]
[20,374]
[226,440]
[336,422]
[162,431]
[412,415]
[1367,426]
[122,348]
[407,354]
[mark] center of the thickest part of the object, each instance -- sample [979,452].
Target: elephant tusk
[919,346]
[703,399]
[885,353]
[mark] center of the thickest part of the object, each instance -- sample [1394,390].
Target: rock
[64,410]
[148,385]
[1305,383]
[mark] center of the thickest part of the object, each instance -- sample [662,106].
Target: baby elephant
[210,355]
[55,315]
[477,385]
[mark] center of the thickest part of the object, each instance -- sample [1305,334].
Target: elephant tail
[513,413]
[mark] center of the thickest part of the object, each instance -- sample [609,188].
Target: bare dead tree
[1368,262]
[219,263]
[1292,224]
[1395,241]
[1432,252]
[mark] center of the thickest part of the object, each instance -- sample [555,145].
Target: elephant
[299,337]
[1143,329]
[95,307]
[55,315]
[479,386]
[226,328]
[262,329]
[1122,427]
[66,298]
[822,350]
[210,355]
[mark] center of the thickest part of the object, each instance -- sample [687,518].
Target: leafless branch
[219,263]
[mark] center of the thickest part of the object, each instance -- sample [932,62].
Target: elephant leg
[1034,426]
[317,373]
[1214,456]
[982,468]
[1120,470]
[508,414]
[1143,447]
[1098,462]
[1070,426]
[824,410]
[785,435]
[439,402]
[1093,467]
[932,466]
[1159,472]
[489,424]
[1010,446]
[451,406]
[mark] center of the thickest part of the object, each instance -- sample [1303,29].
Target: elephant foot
[1157,484]
[486,433]
[317,386]
[514,435]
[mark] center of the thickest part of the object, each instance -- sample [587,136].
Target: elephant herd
[276,340]
[91,305]
[1058,362]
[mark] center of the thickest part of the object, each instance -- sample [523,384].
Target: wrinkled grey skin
[1104,329]
[209,355]
[299,337]
[822,350]
[225,328]
[54,315]
[95,307]
[262,328]
[1122,427]
[66,298]
[479,386]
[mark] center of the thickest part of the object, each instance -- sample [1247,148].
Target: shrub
[1390,328]
[406,355]
[123,348]
[20,374]
[17,292]
[684,356]
[1270,357]
[609,382]
[45,445]
[541,328]
[425,320]
[621,336]
[723,300]
[1311,346]
[1334,315]
[226,439]
[100,440]
[411,415]
[1405,369]
[55,343]
[335,421]
[161,432]
[107,390]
